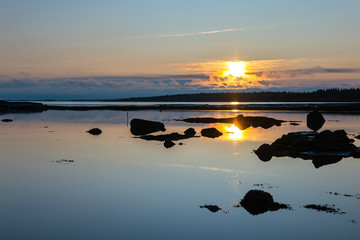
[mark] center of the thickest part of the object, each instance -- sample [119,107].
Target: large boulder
[315,120]
[211,133]
[258,201]
[143,127]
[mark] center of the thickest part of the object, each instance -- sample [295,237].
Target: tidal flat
[58,181]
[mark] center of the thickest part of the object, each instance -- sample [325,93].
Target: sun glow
[234,132]
[235,69]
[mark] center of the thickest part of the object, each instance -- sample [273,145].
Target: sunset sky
[113,49]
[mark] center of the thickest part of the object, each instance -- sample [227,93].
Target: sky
[87,49]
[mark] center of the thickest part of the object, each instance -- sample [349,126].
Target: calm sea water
[100,103]
[121,187]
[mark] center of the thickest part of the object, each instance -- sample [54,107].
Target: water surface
[121,187]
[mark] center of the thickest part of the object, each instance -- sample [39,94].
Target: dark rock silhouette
[95,131]
[264,152]
[143,127]
[240,121]
[164,137]
[211,208]
[315,120]
[324,208]
[258,202]
[294,123]
[190,132]
[357,137]
[21,107]
[211,133]
[168,143]
[7,120]
[323,148]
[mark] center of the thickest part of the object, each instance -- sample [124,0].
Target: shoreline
[30,107]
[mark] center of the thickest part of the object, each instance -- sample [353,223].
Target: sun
[235,69]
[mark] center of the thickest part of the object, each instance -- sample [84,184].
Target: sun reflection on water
[234,132]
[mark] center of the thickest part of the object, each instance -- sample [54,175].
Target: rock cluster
[323,148]
[242,122]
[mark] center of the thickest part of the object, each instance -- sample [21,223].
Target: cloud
[187,34]
[142,85]
[293,73]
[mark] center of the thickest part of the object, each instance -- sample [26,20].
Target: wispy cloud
[187,34]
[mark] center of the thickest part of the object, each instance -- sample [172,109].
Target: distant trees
[323,95]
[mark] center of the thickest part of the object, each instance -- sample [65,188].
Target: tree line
[322,95]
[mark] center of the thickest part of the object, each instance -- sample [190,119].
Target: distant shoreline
[30,107]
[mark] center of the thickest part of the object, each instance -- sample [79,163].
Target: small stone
[95,131]
[315,120]
[168,143]
[211,133]
[190,132]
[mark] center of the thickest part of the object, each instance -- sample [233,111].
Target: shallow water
[121,187]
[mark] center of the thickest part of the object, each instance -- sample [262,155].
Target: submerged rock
[143,127]
[315,120]
[7,120]
[211,133]
[264,152]
[324,208]
[323,148]
[168,144]
[211,208]
[95,131]
[258,202]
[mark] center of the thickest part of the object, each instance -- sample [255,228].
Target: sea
[57,181]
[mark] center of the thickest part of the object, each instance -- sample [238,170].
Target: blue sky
[113,49]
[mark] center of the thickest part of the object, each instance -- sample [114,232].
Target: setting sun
[235,69]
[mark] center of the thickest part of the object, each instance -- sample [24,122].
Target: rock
[315,120]
[211,208]
[240,121]
[322,148]
[264,152]
[143,127]
[168,143]
[95,131]
[211,133]
[7,120]
[190,132]
[258,201]
[164,137]
[294,124]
